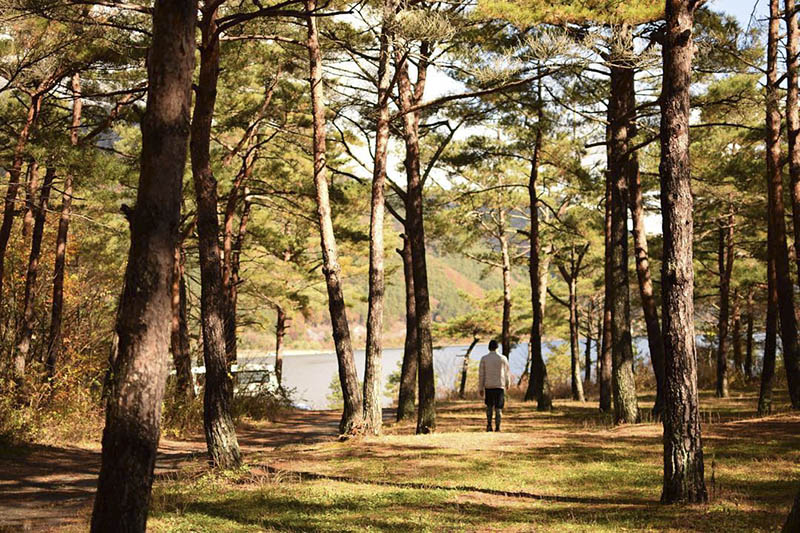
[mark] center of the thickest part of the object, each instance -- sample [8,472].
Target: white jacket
[493,372]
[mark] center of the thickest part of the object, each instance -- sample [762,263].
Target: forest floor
[568,470]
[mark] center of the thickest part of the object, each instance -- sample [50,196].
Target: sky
[742,9]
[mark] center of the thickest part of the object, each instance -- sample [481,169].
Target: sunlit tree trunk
[408,370]
[683,448]
[136,388]
[352,415]
[506,325]
[725,266]
[462,389]
[179,341]
[604,358]
[748,353]
[220,433]
[280,332]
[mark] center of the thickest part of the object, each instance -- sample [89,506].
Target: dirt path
[43,487]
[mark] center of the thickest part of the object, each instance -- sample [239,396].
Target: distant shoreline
[253,354]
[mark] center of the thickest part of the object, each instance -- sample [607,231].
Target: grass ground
[570,470]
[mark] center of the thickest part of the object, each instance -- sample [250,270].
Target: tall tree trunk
[14,172]
[793,117]
[587,348]
[539,384]
[655,341]
[220,433]
[788,321]
[683,448]
[426,409]
[133,413]
[604,359]
[626,408]
[575,360]
[748,353]
[408,370]
[736,334]
[57,310]
[179,340]
[31,186]
[462,389]
[506,328]
[23,345]
[770,340]
[280,332]
[373,382]
[725,265]
[352,415]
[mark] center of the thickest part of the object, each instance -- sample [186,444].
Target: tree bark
[683,449]
[605,360]
[23,344]
[506,328]
[748,353]
[587,350]
[54,340]
[786,309]
[179,340]
[793,117]
[571,278]
[620,163]
[220,433]
[736,334]
[725,265]
[408,370]
[373,382]
[280,332]
[352,415]
[462,389]
[792,524]
[538,384]
[133,413]
[770,340]
[14,172]
[426,409]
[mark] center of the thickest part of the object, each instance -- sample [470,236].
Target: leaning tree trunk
[506,327]
[604,360]
[14,172]
[655,341]
[133,413]
[462,389]
[352,414]
[373,368]
[725,266]
[57,309]
[220,433]
[408,370]
[24,337]
[683,448]
[538,384]
[426,409]
[748,352]
[280,332]
[626,408]
[786,309]
[179,340]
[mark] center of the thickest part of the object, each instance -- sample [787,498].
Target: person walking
[494,378]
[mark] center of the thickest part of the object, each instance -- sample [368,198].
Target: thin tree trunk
[587,352]
[786,309]
[736,334]
[130,437]
[373,382]
[54,339]
[408,370]
[465,367]
[31,186]
[655,340]
[725,265]
[770,340]
[577,385]
[426,409]
[527,372]
[352,415]
[506,328]
[604,359]
[14,172]
[23,345]
[793,117]
[683,448]
[626,408]
[539,384]
[220,433]
[179,341]
[748,354]
[280,332]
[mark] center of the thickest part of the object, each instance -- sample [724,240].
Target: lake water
[310,375]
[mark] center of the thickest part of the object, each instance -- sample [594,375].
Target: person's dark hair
[492,344]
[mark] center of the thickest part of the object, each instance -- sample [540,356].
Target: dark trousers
[495,400]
